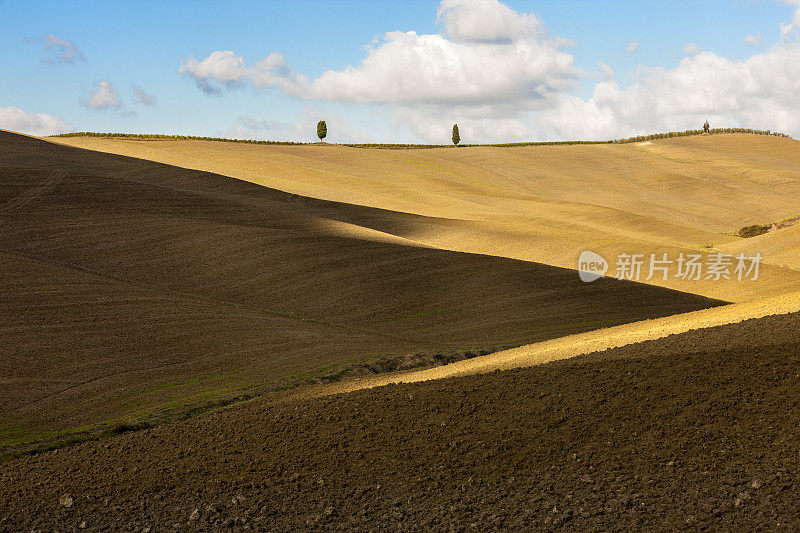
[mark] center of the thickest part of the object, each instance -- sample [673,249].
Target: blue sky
[535,75]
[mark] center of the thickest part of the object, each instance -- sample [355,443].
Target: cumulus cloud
[793,27]
[605,70]
[105,96]
[250,128]
[221,67]
[58,50]
[753,40]
[632,47]
[509,80]
[39,124]
[507,59]
[303,128]
[691,49]
[757,92]
[410,68]
[476,124]
[224,69]
[486,21]
[141,97]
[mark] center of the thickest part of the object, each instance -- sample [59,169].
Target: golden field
[544,203]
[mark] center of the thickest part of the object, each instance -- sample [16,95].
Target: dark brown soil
[130,288]
[695,431]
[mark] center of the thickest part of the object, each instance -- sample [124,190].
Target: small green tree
[322,129]
[456,136]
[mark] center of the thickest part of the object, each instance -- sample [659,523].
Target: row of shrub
[759,229]
[688,133]
[754,231]
[159,137]
[391,146]
[639,138]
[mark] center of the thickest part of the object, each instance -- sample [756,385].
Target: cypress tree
[322,129]
[456,136]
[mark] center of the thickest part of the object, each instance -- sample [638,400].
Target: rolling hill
[136,291]
[542,203]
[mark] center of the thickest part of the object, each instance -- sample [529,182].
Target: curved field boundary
[578,344]
[402,146]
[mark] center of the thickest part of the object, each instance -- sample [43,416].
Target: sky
[387,71]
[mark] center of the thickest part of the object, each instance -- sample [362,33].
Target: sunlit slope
[780,246]
[130,287]
[542,203]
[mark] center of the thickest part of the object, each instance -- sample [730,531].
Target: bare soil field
[544,203]
[572,345]
[134,290]
[691,432]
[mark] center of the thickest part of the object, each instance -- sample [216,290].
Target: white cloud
[486,21]
[219,68]
[753,40]
[506,60]
[510,81]
[226,69]
[605,70]
[250,128]
[632,47]
[106,96]
[794,26]
[410,68]
[757,92]
[691,49]
[303,128]
[39,124]
[476,124]
[141,97]
[58,50]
